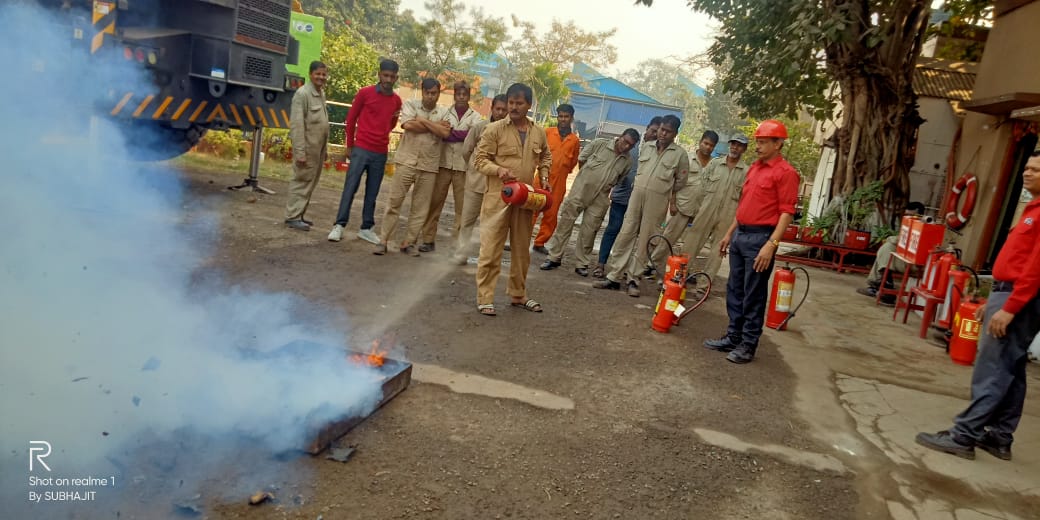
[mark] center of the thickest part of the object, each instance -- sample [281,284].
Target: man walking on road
[766,208]
[564,145]
[603,163]
[1010,320]
[452,173]
[721,181]
[687,200]
[513,149]
[663,167]
[309,133]
[372,116]
[417,161]
[476,187]
[619,200]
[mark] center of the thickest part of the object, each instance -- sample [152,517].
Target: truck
[211,64]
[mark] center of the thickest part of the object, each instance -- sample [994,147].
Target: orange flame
[375,357]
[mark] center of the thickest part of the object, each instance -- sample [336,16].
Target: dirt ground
[578,412]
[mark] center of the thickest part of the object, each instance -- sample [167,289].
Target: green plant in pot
[861,205]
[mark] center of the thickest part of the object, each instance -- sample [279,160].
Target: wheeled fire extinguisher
[781,296]
[526,196]
[670,308]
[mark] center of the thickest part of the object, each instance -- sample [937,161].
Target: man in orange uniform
[563,145]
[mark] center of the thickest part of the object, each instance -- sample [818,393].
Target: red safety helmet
[771,128]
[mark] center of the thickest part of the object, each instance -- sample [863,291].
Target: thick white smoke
[106,348]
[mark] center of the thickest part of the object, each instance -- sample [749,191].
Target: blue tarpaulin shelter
[604,106]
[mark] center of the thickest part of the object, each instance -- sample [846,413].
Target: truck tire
[147,141]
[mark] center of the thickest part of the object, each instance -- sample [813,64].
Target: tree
[549,85]
[449,39]
[670,84]
[783,56]
[800,150]
[376,20]
[352,64]
[563,45]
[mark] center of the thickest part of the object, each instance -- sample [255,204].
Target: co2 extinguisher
[781,297]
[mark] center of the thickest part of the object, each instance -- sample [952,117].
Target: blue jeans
[747,291]
[362,161]
[614,220]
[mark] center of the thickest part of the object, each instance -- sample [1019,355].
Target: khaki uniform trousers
[711,226]
[592,217]
[499,221]
[420,183]
[646,211]
[445,178]
[468,244]
[673,231]
[302,185]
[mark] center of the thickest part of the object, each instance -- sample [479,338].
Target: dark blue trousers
[998,382]
[362,161]
[747,292]
[614,220]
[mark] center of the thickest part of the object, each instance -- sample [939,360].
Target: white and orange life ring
[957,215]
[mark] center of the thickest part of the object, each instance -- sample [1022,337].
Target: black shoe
[741,355]
[648,271]
[633,289]
[722,344]
[868,291]
[298,225]
[608,284]
[427,247]
[888,300]
[305,221]
[582,271]
[540,249]
[549,265]
[945,442]
[991,445]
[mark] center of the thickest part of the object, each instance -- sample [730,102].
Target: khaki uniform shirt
[452,156]
[419,150]
[500,146]
[602,169]
[475,181]
[662,172]
[690,198]
[720,184]
[309,124]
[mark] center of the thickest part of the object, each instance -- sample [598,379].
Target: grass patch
[269,169]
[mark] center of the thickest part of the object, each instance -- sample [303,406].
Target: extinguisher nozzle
[508,192]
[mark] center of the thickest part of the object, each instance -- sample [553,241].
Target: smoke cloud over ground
[107,352]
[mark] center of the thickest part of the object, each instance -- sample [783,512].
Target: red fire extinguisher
[966,329]
[781,296]
[670,309]
[526,196]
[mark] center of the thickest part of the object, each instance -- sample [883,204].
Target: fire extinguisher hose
[805,295]
[691,281]
[651,244]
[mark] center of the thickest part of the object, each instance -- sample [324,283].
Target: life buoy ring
[957,215]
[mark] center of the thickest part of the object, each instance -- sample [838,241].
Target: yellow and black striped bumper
[168,108]
[103,21]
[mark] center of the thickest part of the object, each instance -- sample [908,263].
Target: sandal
[529,305]
[487,309]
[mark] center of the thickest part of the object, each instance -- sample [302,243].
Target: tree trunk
[878,136]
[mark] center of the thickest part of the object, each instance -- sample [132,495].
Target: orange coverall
[564,159]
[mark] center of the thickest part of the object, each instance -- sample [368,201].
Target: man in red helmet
[766,208]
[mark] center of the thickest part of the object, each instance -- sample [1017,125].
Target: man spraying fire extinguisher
[1010,321]
[766,208]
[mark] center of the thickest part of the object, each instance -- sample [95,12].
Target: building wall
[1008,65]
[934,141]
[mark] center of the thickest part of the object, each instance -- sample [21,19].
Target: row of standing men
[649,189]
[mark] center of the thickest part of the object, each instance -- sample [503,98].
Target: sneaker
[549,264]
[991,445]
[472,260]
[723,344]
[380,250]
[741,355]
[633,289]
[945,442]
[427,247]
[336,234]
[868,291]
[298,225]
[540,250]
[410,250]
[582,271]
[607,284]
[368,236]
[308,222]
[648,271]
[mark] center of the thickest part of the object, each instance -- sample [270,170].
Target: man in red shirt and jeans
[372,116]
[766,208]
[1010,321]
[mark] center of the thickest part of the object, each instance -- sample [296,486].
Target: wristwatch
[775,242]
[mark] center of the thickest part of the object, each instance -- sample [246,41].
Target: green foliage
[968,23]
[276,145]
[563,45]
[442,45]
[377,21]
[670,84]
[227,144]
[352,63]
[549,86]
[799,149]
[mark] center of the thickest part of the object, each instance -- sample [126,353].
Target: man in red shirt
[372,116]
[766,208]
[1010,321]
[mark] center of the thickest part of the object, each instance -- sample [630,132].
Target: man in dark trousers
[766,208]
[1010,321]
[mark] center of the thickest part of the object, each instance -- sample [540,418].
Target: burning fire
[375,357]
